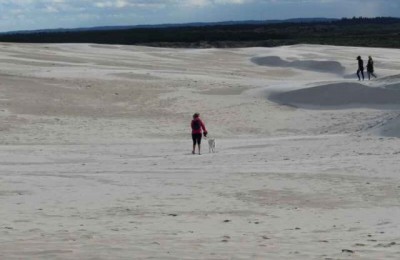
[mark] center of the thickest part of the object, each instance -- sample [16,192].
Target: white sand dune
[96,163]
[388,128]
[342,94]
[314,65]
[389,81]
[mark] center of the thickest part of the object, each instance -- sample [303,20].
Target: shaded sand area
[95,158]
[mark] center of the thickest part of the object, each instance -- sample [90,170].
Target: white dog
[211,145]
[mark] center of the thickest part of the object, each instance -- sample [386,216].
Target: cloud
[35,14]
[215,2]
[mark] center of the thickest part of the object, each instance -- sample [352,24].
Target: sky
[47,14]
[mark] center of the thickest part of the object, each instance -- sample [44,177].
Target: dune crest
[340,95]
[313,65]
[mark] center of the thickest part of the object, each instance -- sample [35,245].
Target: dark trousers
[362,74]
[371,73]
[196,139]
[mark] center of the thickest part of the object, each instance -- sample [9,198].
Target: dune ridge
[313,65]
[341,94]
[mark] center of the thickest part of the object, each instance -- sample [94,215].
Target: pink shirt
[202,128]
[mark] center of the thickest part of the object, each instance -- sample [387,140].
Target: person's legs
[369,75]
[194,142]
[358,74]
[199,142]
[362,74]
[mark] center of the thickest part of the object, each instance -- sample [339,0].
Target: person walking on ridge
[360,68]
[370,68]
[198,128]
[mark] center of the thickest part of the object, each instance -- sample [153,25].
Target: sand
[96,163]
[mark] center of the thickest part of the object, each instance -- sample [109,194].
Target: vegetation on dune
[367,32]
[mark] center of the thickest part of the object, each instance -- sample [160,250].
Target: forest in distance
[356,31]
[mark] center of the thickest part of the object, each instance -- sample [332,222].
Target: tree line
[356,31]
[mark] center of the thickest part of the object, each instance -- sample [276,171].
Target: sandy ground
[96,163]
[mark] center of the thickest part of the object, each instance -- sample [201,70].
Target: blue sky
[43,14]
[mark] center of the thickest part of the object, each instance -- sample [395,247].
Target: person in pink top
[198,128]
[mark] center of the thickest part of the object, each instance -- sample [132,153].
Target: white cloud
[232,1]
[51,9]
[197,3]
[81,13]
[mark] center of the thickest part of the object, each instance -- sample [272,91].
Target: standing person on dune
[360,68]
[198,128]
[370,68]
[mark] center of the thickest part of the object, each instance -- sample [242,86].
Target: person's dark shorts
[196,138]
